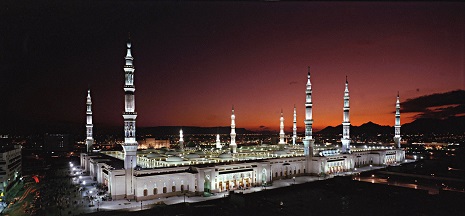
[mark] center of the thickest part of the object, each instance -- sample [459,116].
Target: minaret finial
[308,71]
[397,93]
[128,44]
[346,79]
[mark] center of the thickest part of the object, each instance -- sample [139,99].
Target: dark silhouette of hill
[421,125]
[429,125]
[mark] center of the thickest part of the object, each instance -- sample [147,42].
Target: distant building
[10,168]
[149,143]
[58,143]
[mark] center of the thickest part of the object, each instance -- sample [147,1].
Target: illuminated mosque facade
[156,173]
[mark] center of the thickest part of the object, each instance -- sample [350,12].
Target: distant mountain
[427,125]
[367,128]
[422,125]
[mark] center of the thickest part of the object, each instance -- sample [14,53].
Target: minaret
[308,140]
[397,137]
[281,131]
[218,141]
[129,115]
[233,144]
[346,122]
[89,125]
[181,140]
[294,127]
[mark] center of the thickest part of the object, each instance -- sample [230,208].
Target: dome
[225,156]
[192,155]
[174,159]
[163,150]
[172,153]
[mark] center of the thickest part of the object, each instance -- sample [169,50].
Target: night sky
[194,61]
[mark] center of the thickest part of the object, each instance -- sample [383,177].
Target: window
[155,191]
[145,192]
[164,189]
[182,188]
[173,189]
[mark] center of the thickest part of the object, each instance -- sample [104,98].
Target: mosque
[156,173]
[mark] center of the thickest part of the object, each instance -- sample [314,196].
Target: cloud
[438,106]
[262,127]
[293,83]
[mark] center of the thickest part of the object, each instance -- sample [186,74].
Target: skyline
[194,60]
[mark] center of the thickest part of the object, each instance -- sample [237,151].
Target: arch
[145,192]
[164,189]
[155,191]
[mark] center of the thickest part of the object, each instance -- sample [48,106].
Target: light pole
[293,178]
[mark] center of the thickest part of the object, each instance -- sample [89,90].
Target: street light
[293,178]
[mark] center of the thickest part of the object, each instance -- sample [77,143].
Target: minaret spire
[181,139]
[281,131]
[294,127]
[233,144]
[130,143]
[397,137]
[89,125]
[346,121]
[308,140]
